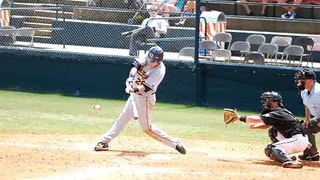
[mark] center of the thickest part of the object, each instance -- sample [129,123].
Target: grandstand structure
[117,11]
[95,20]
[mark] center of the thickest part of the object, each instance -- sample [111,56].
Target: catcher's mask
[301,76]
[268,97]
[155,54]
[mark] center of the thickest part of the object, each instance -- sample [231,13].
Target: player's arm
[250,119]
[136,65]
[161,30]
[259,126]
[255,122]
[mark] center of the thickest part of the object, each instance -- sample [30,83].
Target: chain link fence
[96,26]
[93,26]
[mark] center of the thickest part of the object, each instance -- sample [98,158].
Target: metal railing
[273,4]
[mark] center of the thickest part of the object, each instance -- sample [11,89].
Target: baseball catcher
[285,131]
[144,78]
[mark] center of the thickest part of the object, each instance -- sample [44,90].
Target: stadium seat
[255,57]
[26,32]
[255,41]
[291,52]
[222,39]
[240,47]
[187,52]
[270,51]
[207,45]
[307,43]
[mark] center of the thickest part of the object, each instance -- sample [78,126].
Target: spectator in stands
[291,14]
[149,26]
[172,6]
[188,10]
[249,10]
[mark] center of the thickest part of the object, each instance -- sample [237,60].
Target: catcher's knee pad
[268,150]
[272,132]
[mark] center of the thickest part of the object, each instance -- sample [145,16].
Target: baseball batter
[144,78]
[286,132]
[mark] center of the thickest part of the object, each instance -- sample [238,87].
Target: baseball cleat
[181,149]
[101,146]
[314,157]
[292,164]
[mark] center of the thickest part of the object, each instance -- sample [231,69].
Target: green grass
[22,112]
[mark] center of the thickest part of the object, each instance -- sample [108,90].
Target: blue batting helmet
[155,54]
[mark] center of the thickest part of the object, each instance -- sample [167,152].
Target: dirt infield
[32,156]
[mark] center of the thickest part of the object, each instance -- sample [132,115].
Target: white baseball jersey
[157,23]
[312,100]
[150,77]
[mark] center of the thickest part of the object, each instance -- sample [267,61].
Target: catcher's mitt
[230,115]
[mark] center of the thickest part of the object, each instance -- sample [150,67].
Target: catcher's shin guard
[276,154]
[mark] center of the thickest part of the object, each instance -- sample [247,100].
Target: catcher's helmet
[267,97]
[303,75]
[155,54]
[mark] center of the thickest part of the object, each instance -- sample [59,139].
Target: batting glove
[129,81]
[129,89]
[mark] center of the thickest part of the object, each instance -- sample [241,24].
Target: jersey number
[140,81]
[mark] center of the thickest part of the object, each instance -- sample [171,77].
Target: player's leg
[295,144]
[264,7]
[145,105]
[116,128]
[312,154]
[247,8]
[281,150]
[282,157]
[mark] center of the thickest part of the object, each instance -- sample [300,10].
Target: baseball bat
[134,107]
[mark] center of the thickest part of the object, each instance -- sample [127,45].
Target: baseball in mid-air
[97,107]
